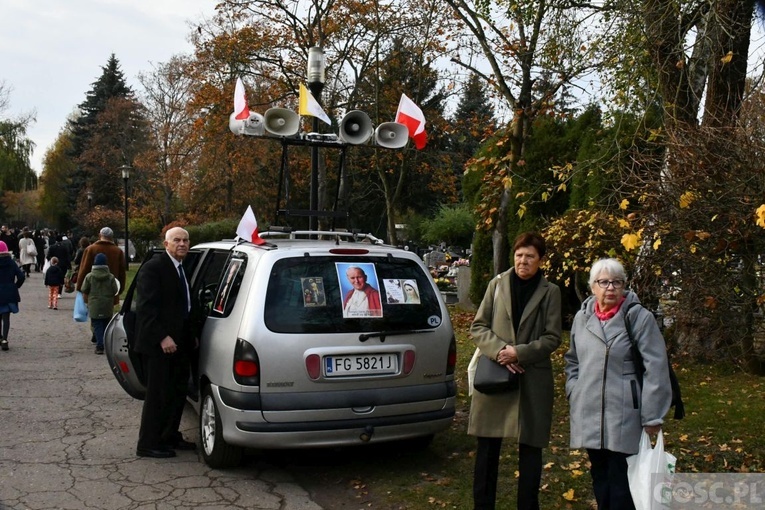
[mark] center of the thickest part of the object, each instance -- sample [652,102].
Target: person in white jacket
[609,405]
[27,252]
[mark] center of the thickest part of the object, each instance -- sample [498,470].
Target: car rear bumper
[320,426]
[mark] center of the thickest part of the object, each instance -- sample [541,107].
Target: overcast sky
[51,51]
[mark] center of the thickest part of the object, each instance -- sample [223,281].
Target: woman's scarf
[604,316]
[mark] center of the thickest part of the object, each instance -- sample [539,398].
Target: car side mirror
[206,298]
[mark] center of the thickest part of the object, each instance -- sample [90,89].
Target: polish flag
[248,227]
[410,115]
[241,109]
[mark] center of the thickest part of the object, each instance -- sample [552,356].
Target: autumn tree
[533,50]
[402,178]
[90,166]
[58,169]
[266,42]
[16,174]
[168,165]
[472,123]
[232,172]
[686,182]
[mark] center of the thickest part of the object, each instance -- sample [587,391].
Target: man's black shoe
[180,444]
[157,454]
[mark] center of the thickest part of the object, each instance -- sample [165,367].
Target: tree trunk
[664,30]
[727,79]
[752,359]
[500,242]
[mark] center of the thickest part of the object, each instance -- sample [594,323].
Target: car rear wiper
[382,334]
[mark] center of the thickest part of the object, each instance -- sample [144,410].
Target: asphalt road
[68,432]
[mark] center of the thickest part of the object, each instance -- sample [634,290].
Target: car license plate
[337,366]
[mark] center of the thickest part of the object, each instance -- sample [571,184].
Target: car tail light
[246,364]
[409,357]
[313,366]
[451,359]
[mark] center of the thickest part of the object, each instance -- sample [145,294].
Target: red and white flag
[410,115]
[241,109]
[248,227]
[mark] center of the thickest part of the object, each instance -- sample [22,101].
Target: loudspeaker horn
[355,127]
[282,122]
[253,126]
[391,135]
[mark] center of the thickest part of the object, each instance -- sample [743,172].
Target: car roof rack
[337,235]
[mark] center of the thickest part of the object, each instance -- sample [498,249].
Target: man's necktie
[185,287]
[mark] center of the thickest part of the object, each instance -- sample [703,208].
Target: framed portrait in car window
[360,290]
[229,287]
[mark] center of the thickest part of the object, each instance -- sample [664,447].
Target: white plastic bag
[645,463]
[471,370]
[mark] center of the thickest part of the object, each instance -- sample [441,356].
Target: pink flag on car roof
[248,227]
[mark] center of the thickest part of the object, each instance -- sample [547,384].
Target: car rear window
[316,295]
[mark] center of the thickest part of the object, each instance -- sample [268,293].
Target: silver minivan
[312,339]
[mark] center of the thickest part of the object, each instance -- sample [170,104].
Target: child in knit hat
[54,278]
[99,289]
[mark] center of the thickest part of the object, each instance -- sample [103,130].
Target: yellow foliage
[761,216]
[624,223]
[624,204]
[727,58]
[569,495]
[686,199]
[630,241]
[656,244]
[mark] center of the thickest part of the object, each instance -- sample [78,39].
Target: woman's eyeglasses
[603,284]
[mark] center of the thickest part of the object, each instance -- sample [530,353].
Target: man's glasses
[603,284]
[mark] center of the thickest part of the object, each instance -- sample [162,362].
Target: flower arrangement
[461,262]
[445,284]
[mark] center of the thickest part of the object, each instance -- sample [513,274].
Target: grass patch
[720,433]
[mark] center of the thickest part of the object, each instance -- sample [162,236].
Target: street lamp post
[125,177]
[315,79]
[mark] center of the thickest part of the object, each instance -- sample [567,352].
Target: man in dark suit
[164,340]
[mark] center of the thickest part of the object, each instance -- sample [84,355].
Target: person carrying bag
[643,468]
[517,328]
[609,407]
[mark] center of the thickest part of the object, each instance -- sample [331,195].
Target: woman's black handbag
[491,377]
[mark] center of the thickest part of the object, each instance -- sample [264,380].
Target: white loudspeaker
[282,122]
[391,135]
[250,127]
[355,127]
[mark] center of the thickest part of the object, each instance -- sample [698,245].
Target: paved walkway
[68,432]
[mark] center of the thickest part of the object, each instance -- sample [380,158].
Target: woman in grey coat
[518,325]
[609,408]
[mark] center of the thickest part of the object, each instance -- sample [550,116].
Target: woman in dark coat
[518,325]
[11,278]
[609,407]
